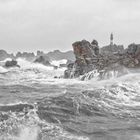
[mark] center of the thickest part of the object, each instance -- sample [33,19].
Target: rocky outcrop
[42,60]
[110,58]
[12,63]
[131,58]
[86,55]
[134,50]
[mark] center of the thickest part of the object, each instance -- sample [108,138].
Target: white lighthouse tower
[111,39]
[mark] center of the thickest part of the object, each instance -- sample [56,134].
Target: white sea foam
[24,64]
[33,72]
[119,95]
[29,133]
[7,59]
[58,62]
[126,87]
[3,70]
[21,127]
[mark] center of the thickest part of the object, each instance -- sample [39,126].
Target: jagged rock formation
[40,53]
[42,60]
[86,54]
[12,63]
[110,58]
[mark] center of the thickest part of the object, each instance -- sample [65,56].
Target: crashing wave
[71,109]
[21,125]
[3,70]
[104,74]
[59,62]
[31,71]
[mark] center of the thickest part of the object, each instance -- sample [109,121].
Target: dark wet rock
[42,60]
[55,67]
[63,65]
[84,50]
[94,42]
[94,45]
[12,63]
[134,50]
[69,72]
[40,53]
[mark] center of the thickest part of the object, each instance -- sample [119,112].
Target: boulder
[42,60]
[12,63]
[94,45]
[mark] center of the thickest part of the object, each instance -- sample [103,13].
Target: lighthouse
[111,39]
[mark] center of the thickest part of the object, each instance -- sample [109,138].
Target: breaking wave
[21,121]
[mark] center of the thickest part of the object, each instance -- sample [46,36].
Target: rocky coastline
[89,57]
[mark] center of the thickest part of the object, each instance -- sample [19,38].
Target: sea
[37,103]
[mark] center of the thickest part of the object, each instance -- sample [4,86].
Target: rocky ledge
[90,57]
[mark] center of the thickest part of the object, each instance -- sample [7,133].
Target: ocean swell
[35,105]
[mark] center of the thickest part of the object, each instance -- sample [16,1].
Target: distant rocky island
[112,57]
[40,56]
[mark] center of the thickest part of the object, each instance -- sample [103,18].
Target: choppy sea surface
[36,106]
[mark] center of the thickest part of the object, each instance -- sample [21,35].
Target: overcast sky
[30,25]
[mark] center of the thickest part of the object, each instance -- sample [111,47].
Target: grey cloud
[29,25]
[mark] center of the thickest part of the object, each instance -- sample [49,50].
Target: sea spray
[29,133]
